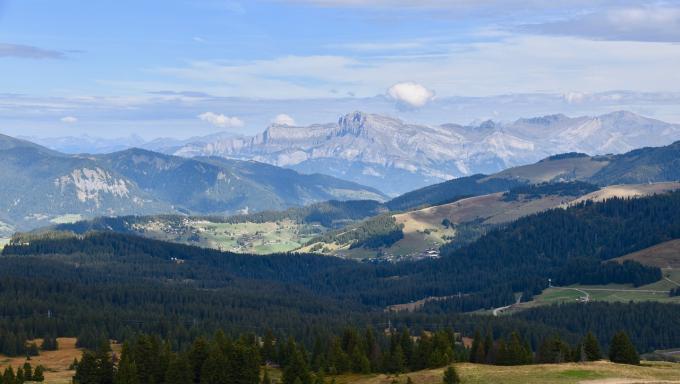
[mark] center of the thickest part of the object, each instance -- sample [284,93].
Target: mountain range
[42,186]
[395,157]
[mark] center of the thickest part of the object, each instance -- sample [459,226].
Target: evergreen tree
[268,351]
[488,348]
[477,349]
[553,351]
[49,343]
[38,374]
[179,370]
[591,348]
[20,378]
[198,354]
[450,376]
[28,371]
[296,370]
[514,352]
[104,363]
[622,350]
[127,371]
[215,368]
[8,376]
[87,371]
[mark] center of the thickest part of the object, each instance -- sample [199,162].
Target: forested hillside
[115,284]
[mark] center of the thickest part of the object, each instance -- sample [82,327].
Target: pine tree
[20,378]
[591,347]
[477,349]
[28,371]
[489,357]
[198,354]
[450,376]
[296,370]
[179,370]
[622,350]
[49,343]
[127,371]
[8,376]
[268,351]
[87,371]
[553,351]
[38,374]
[104,363]
[215,368]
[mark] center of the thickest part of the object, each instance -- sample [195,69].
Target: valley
[340,192]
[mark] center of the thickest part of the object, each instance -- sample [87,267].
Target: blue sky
[191,67]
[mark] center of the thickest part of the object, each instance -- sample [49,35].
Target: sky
[181,68]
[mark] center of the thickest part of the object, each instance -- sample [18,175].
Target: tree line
[247,358]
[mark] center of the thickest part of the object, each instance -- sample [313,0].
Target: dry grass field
[56,363]
[601,372]
[664,255]
[629,191]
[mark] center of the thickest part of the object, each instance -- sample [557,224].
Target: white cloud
[69,119]
[410,94]
[220,120]
[283,119]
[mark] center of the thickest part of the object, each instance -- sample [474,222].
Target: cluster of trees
[23,374]
[221,359]
[675,292]
[532,191]
[552,350]
[14,344]
[376,232]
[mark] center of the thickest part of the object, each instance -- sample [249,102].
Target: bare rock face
[395,157]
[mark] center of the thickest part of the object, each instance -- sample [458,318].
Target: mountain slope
[644,165]
[42,185]
[395,156]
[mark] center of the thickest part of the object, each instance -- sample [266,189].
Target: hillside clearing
[664,255]
[56,363]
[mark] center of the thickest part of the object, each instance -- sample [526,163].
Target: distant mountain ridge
[43,186]
[396,157]
[640,166]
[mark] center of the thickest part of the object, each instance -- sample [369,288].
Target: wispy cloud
[69,119]
[515,64]
[28,52]
[652,23]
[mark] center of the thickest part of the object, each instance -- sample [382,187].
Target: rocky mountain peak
[352,124]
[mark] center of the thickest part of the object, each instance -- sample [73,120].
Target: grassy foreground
[57,372]
[589,373]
